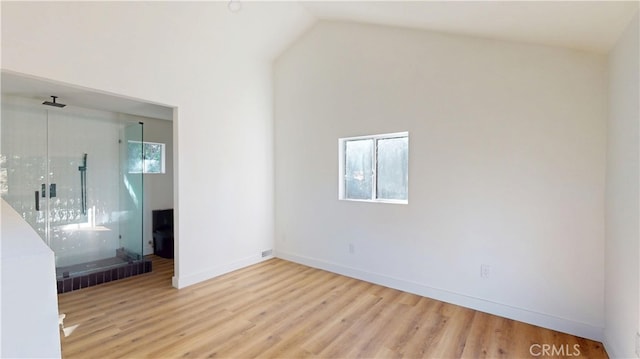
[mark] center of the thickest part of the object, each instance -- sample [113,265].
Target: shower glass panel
[23,161]
[83,187]
[65,172]
[131,191]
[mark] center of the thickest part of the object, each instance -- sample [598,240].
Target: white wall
[214,66]
[29,316]
[506,168]
[622,258]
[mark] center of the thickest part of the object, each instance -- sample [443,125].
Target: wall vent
[267,253]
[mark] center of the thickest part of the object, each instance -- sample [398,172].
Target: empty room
[238,179]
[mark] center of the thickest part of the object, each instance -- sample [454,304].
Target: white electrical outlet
[485,271]
[352,248]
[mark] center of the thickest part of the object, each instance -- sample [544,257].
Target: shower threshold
[89,267]
[92,273]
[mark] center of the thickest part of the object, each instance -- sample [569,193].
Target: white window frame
[341,168]
[162,162]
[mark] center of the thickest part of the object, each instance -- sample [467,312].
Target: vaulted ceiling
[582,25]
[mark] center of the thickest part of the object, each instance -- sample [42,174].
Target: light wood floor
[285,310]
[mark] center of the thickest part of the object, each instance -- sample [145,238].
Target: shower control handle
[37,200]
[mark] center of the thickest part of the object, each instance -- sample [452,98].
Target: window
[374,168]
[146,157]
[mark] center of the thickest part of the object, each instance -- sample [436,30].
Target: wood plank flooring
[279,309]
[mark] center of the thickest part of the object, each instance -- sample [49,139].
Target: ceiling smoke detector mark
[234,6]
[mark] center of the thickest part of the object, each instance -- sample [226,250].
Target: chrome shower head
[53,102]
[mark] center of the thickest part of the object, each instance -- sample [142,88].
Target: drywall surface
[506,168]
[214,66]
[29,315]
[622,258]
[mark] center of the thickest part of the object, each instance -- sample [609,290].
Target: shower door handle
[37,200]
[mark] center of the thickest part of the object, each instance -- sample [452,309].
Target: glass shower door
[83,190]
[23,162]
[131,191]
[75,176]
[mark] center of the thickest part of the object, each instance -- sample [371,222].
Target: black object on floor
[163,233]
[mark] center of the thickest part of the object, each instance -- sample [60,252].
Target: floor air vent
[267,253]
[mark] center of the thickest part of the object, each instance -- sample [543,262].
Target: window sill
[388,201]
[147,173]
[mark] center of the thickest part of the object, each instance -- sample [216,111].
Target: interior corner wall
[215,66]
[506,168]
[622,252]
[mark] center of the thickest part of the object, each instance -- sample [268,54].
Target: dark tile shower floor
[86,268]
[89,274]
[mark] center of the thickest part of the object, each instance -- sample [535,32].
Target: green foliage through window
[146,157]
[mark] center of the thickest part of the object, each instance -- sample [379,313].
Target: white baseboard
[187,280]
[499,309]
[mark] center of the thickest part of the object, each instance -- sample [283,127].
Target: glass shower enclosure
[67,172]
